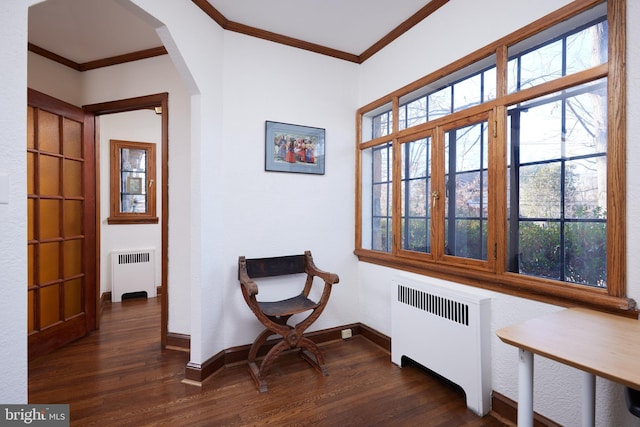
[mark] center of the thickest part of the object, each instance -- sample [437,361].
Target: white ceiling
[88,30]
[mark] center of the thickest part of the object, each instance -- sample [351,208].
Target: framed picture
[134,185]
[294,148]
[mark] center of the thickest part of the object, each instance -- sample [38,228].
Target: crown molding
[228,25]
[414,19]
[99,63]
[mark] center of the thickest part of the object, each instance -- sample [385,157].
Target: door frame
[142,103]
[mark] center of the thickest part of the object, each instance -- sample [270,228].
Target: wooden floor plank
[120,376]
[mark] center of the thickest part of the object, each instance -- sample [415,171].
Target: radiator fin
[134,258]
[132,271]
[446,308]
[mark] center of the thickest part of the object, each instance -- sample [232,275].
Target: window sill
[547,291]
[133,220]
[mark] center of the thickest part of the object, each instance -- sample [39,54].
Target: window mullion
[514,196]
[437,194]
[497,191]
[450,196]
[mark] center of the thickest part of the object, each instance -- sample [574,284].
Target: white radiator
[133,271]
[445,328]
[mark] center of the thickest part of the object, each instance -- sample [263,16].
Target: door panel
[61,225]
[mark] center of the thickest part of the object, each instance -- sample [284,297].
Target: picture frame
[294,148]
[134,185]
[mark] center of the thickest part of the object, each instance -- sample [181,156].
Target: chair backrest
[277,266]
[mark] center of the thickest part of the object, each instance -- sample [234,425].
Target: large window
[558,186]
[500,174]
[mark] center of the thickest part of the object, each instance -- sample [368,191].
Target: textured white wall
[13,227]
[237,207]
[54,79]
[274,213]
[195,44]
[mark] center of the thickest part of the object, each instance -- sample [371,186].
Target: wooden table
[597,343]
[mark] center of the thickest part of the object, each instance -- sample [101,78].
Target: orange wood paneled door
[61,223]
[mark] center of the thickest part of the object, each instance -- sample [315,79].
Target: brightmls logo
[34,415]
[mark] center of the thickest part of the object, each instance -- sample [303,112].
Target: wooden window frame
[116,216]
[497,278]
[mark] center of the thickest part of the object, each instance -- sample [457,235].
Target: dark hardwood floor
[118,376]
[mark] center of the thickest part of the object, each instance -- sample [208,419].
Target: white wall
[138,126]
[275,213]
[195,44]
[13,187]
[237,207]
[54,79]
[457,29]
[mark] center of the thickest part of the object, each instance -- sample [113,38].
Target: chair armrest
[329,278]
[249,285]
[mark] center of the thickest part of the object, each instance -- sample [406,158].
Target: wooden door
[61,198]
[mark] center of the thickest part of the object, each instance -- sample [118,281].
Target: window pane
[586,131]
[382,164]
[376,189]
[586,253]
[586,188]
[415,195]
[587,48]
[540,249]
[415,159]
[541,132]
[416,113]
[415,236]
[471,148]
[513,75]
[470,239]
[416,184]
[489,85]
[439,103]
[540,191]
[466,191]
[382,125]
[467,92]
[381,235]
[541,65]
[471,195]
[381,201]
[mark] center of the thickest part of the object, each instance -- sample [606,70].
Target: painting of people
[294,148]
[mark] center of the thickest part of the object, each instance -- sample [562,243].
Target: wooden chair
[275,315]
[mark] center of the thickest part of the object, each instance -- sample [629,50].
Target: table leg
[588,399]
[525,388]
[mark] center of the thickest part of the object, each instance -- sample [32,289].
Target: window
[133,183]
[558,189]
[466,184]
[416,195]
[503,179]
[379,177]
